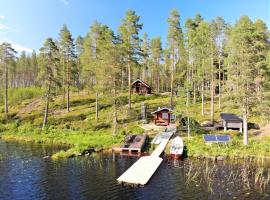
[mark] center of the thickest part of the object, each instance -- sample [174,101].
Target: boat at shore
[177,147]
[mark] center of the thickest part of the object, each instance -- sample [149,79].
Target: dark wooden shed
[230,120]
[162,116]
[140,87]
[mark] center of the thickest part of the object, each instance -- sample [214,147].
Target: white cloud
[2,17]
[65,2]
[8,28]
[19,48]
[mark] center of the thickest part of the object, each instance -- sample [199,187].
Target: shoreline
[76,150]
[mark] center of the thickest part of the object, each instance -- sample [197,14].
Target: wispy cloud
[19,48]
[65,2]
[4,27]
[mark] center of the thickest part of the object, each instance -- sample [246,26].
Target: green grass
[79,128]
[197,148]
[78,140]
[258,148]
[17,95]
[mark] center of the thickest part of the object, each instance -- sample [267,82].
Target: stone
[220,158]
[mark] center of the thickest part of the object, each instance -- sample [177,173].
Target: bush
[101,126]
[17,95]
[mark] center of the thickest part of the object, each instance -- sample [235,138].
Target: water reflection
[25,174]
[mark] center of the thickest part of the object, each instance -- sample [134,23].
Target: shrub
[17,95]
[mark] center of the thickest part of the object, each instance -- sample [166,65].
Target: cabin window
[164,115]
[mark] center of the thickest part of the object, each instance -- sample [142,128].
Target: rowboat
[177,147]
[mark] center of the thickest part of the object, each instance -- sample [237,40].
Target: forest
[225,65]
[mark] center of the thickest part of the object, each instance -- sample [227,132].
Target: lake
[25,174]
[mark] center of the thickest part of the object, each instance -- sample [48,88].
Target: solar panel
[210,138]
[230,117]
[223,138]
[216,138]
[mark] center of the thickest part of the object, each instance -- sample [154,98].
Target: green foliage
[17,95]
[257,148]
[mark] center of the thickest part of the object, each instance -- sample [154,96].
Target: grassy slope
[80,129]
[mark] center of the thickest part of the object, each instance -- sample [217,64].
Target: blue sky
[28,23]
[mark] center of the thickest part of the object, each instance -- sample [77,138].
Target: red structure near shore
[162,116]
[140,87]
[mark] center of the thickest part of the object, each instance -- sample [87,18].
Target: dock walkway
[143,169]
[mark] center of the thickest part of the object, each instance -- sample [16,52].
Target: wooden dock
[143,169]
[134,143]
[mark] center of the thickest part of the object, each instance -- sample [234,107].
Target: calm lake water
[25,174]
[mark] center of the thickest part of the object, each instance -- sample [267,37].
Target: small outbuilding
[162,116]
[140,87]
[230,120]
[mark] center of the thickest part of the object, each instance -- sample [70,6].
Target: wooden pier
[134,143]
[143,169]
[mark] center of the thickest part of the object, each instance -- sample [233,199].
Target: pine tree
[7,54]
[109,61]
[67,52]
[220,28]
[129,34]
[79,51]
[49,73]
[34,67]
[156,56]
[175,43]
[241,62]
[145,57]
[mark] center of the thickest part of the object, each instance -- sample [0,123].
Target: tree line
[201,60]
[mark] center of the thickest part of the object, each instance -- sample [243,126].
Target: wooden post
[143,112]
[129,86]
[96,106]
[114,123]
[245,134]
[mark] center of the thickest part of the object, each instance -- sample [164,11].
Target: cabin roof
[161,109]
[230,117]
[139,80]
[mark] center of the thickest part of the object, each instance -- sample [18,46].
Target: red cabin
[162,116]
[140,87]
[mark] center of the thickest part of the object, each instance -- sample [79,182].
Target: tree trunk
[194,93]
[158,85]
[6,89]
[212,103]
[245,124]
[219,83]
[96,106]
[212,92]
[68,82]
[129,86]
[46,112]
[114,123]
[202,99]
[64,85]
[188,126]
[172,77]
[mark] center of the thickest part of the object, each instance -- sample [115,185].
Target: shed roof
[230,117]
[139,80]
[162,109]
